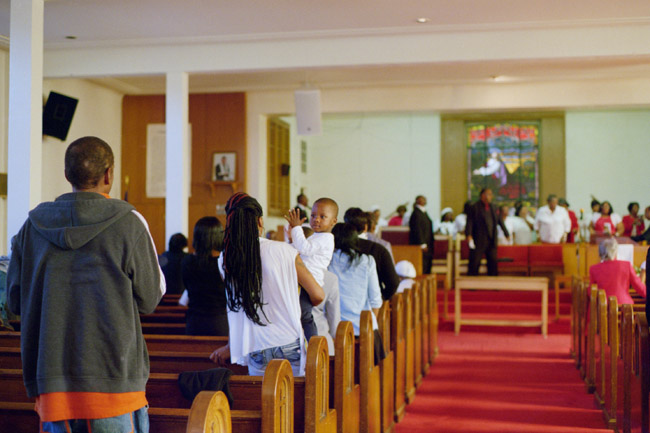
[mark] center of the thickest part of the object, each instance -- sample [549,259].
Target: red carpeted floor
[490,379]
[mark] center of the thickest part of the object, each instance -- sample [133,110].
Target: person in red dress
[633,223]
[615,276]
[609,222]
[573,233]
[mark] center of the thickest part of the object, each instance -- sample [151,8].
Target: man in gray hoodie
[83,268]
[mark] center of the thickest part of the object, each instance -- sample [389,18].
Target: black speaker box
[57,115]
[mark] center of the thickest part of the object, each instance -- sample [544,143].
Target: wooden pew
[636,381]
[415,293]
[398,347]
[434,319]
[210,413]
[409,335]
[369,378]
[590,375]
[169,299]
[412,253]
[346,392]
[163,318]
[423,312]
[311,412]
[387,371]
[276,414]
[610,359]
[599,343]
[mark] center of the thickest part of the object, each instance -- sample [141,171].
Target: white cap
[404,268]
[374,207]
[445,211]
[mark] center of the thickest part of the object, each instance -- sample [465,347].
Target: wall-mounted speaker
[57,115]
[308,116]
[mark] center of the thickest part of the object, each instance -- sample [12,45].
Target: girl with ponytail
[261,281]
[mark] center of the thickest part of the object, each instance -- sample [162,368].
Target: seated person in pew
[82,270]
[613,276]
[327,314]
[206,313]
[315,250]
[373,236]
[170,263]
[262,294]
[358,282]
[406,272]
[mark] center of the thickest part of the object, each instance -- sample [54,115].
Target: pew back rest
[396,235]
[546,255]
[210,413]
[442,245]
[277,397]
[517,256]
[317,409]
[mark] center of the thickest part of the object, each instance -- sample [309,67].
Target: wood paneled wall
[453,153]
[218,123]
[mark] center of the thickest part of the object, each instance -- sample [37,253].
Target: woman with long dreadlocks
[262,293]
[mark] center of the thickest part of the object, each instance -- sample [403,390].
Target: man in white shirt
[552,222]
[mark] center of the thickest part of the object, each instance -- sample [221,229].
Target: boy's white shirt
[316,252]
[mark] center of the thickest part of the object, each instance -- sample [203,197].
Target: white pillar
[24,161]
[177,174]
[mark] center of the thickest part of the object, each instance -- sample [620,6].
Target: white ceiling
[118,23]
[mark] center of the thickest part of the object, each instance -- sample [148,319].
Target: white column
[177,175]
[24,161]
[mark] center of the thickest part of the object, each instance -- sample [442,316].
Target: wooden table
[524,284]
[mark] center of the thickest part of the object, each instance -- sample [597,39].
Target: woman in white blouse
[261,279]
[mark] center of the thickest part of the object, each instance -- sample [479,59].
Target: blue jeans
[132,422]
[257,361]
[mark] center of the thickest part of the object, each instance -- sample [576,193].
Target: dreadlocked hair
[242,261]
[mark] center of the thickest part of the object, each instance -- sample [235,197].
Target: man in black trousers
[421,232]
[481,232]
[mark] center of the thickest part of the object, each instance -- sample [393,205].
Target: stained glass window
[503,157]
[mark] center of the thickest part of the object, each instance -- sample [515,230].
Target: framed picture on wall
[224,166]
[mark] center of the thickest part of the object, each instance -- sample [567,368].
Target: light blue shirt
[358,286]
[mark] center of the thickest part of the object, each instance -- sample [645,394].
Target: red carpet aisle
[491,379]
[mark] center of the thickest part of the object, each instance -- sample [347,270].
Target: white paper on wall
[156,160]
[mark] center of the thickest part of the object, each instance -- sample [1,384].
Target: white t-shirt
[552,225]
[447,228]
[521,232]
[501,236]
[460,222]
[315,251]
[327,314]
[281,307]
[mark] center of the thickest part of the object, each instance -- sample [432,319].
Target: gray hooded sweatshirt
[82,270]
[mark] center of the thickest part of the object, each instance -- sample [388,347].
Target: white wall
[4,137]
[607,154]
[383,159]
[98,113]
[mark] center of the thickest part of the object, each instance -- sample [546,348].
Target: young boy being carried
[316,252]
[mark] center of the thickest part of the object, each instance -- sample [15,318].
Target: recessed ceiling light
[71,37]
[422,20]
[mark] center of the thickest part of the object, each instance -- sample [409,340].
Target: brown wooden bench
[276,414]
[387,371]
[210,413]
[398,347]
[636,381]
